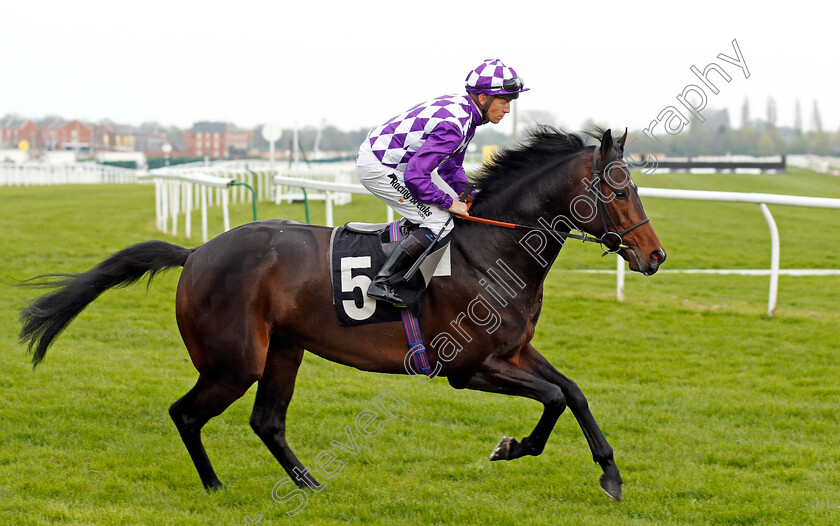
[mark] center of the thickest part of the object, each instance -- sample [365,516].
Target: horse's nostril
[658,256]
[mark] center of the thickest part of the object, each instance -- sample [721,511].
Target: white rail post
[390,214]
[188,190]
[158,215]
[328,201]
[619,278]
[774,258]
[175,202]
[164,206]
[225,211]
[204,213]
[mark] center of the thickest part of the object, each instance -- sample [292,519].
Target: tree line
[716,136]
[755,136]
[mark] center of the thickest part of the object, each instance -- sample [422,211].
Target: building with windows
[13,130]
[59,134]
[217,140]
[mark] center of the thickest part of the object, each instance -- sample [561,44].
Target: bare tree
[771,112]
[816,120]
[745,113]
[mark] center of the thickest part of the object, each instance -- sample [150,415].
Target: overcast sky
[355,64]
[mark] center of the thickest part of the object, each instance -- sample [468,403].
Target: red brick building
[14,130]
[114,137]
[58,134]
[76,136]
[216,140]
[49,132]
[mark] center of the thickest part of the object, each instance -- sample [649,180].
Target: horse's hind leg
[268,419]
[204,401]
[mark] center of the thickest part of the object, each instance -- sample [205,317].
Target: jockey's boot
[403,256]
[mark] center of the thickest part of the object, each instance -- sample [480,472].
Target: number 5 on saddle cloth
[357,252]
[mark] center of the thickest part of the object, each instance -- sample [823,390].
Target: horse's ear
[606,143]
[623,139]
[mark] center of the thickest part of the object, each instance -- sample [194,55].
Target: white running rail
[174,190]
[333,192]
[37,174]
[762,200]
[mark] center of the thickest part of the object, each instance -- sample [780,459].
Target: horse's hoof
[502,451]
[214,486]
[307,481]
[611,487]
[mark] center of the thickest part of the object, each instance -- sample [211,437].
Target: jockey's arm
[441,143]
[452,171]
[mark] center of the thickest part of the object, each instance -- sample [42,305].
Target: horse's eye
[620,194]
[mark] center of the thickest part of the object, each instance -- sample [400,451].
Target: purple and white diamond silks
[489,77]
[396,141]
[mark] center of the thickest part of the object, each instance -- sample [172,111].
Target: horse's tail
[45,318]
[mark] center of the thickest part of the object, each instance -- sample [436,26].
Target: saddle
[382,230]
[357,252]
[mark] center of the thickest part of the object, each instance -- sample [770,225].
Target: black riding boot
[403,256]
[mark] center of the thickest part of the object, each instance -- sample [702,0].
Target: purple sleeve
[452,171]
[444,139]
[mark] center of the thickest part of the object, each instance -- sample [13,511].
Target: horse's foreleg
[500,376]
[535,363]
[204,401]
[268,419]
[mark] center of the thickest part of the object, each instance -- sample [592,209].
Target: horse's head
[608,206]
[554,175]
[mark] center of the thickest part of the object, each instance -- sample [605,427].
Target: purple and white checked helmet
[492,77]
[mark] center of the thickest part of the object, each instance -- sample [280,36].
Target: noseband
[601,209]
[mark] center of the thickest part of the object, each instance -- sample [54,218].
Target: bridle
[600,209]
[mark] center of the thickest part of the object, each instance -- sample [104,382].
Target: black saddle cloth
[355,258]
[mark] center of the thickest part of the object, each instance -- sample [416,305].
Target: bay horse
[250,301]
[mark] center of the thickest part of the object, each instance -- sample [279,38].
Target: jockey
[397,160]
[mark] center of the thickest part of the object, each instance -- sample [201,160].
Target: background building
[216,140]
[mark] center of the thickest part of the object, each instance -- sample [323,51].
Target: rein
[515,226]
[603,213]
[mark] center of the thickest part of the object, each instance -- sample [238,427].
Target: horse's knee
[268,428]
[176,414]
[556,401]
[575,397]
[181,415]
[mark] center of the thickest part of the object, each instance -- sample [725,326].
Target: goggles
[513,85]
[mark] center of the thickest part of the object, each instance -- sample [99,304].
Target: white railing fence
[37,174]
[181,189]
[259,175]
[332,193]
[341,175]
[762,200]
[256,177]
[817,163]
[177,193]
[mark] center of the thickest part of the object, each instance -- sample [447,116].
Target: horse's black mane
[545,147]
[509,164]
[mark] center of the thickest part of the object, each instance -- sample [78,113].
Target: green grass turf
[717,413]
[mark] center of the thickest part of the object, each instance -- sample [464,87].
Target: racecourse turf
[717,413]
